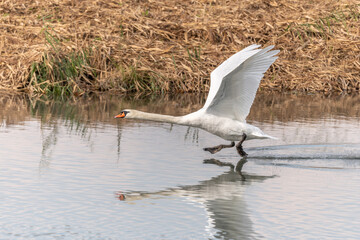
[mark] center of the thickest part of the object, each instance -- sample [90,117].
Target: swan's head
[123,114]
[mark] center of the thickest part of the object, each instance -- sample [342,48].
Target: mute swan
[233,88]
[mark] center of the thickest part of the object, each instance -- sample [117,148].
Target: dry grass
[72,46]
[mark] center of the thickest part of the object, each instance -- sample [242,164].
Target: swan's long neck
[156,117]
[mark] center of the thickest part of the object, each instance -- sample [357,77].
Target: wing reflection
[221,197]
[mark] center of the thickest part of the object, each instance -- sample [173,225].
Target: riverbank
[72,47]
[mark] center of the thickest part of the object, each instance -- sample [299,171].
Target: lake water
[66,167]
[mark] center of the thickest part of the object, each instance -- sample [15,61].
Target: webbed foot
[216,149]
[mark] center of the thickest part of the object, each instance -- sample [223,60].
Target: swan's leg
[239,147]
[218,148]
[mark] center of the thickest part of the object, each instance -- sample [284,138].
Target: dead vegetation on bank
[72,46]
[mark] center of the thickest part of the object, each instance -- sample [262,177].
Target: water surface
[65,167]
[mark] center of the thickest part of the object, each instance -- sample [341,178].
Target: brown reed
[73,46]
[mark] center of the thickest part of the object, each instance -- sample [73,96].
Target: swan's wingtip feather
[251,47]
[276,51]
[266,49]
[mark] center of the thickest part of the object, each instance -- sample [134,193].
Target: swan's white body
[232,91]
[226,128]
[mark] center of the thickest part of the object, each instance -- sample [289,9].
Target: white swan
[232,91]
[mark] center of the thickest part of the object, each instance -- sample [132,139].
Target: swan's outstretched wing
[235,82]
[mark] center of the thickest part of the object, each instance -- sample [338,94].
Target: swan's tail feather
[264,136]
[271,137]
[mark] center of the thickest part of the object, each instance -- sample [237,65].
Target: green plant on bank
[67,74]
[323,27]
[146,13]
[194,55]
[58,74]
[135,80]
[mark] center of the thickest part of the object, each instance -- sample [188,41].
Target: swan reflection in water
[220,196]
[237,168]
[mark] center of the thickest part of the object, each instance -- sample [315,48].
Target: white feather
[235,82]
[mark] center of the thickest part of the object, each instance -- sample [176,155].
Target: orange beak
[121,115]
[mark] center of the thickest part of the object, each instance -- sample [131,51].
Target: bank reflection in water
[221,198]
[84,115]
[268,107]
